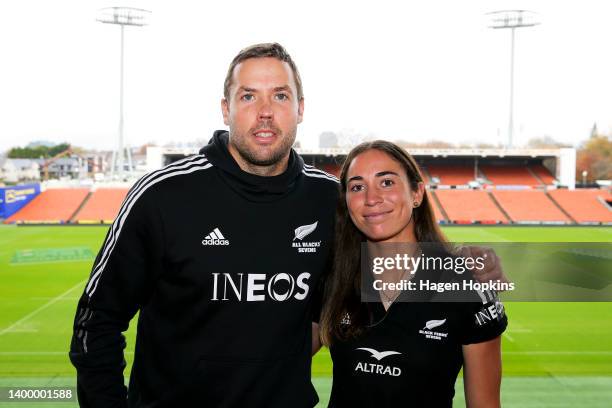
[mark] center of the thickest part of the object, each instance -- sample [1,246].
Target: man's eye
[387,182]
[247,97]
[282,97]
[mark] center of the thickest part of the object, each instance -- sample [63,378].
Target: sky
[397,70]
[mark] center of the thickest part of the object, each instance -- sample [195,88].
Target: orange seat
[509,175]
[585,206]
[102,206]
[436,210]
[530,206]
[543,173]
[452,175]
[469,206]
[52,205]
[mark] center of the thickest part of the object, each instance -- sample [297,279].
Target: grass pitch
[554,354]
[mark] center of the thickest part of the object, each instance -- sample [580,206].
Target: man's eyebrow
[282,88]
[246,89]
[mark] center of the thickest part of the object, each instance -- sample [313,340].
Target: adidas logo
[215,238]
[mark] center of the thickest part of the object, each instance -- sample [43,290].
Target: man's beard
[252,156]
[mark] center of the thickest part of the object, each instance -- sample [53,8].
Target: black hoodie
[222,266]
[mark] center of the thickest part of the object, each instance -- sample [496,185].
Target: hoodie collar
[251,186]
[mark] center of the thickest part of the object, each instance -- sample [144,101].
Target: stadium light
[512,19]
[122,16]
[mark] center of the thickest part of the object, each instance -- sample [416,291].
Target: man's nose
[265,111]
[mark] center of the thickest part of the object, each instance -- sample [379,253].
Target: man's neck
[264,171]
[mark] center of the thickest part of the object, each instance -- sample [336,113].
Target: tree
[595,156]
[545,142]
[36,152]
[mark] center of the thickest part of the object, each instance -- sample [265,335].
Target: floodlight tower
[122,16]
[512,19]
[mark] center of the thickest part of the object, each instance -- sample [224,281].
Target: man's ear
[300,110]
[225,111]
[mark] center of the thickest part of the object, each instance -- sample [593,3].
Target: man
[220,253]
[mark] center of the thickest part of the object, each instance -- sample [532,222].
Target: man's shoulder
[321,181]
[172,175]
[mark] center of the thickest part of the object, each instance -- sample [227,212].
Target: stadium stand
[451,175]
[436,206]
[530,206]
[51,206]
[509,175]
[542,174]
[470,206]
[585,206]
[102,206]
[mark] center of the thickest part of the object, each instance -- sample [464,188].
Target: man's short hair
[273,50]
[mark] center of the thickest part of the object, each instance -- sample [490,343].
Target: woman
[387,352]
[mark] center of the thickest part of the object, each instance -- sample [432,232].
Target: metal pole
[113,163]
[128,153]
[121,149]
[511,118]
[512,19]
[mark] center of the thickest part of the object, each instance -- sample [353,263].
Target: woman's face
[379,198]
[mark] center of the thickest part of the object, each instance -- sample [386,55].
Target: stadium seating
[542,173]
[51,206]
[433,201]
[102,206]
[585,206]
[470,206]
[509,175]
[452,175]
[530,206]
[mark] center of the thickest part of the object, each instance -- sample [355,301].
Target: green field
[554,354]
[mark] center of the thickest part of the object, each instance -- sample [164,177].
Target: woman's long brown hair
[342,291]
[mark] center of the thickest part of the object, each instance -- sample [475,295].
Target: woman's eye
[387,182]
[356,188]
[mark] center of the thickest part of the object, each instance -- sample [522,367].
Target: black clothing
[222,266]
[411,354]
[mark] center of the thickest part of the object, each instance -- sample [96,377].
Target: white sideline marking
[50,298]
[23,331]
[41,308]
[519,330]
[510,338]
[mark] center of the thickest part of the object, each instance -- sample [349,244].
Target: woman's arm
[316,340]
[482,373]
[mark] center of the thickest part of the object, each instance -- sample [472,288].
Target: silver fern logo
[433,324]
[433,335]
[304,230]
[301,232]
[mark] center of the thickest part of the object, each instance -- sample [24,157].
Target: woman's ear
[419,194]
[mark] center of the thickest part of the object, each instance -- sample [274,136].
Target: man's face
[262,113]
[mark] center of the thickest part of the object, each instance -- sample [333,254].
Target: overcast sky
[393,69]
